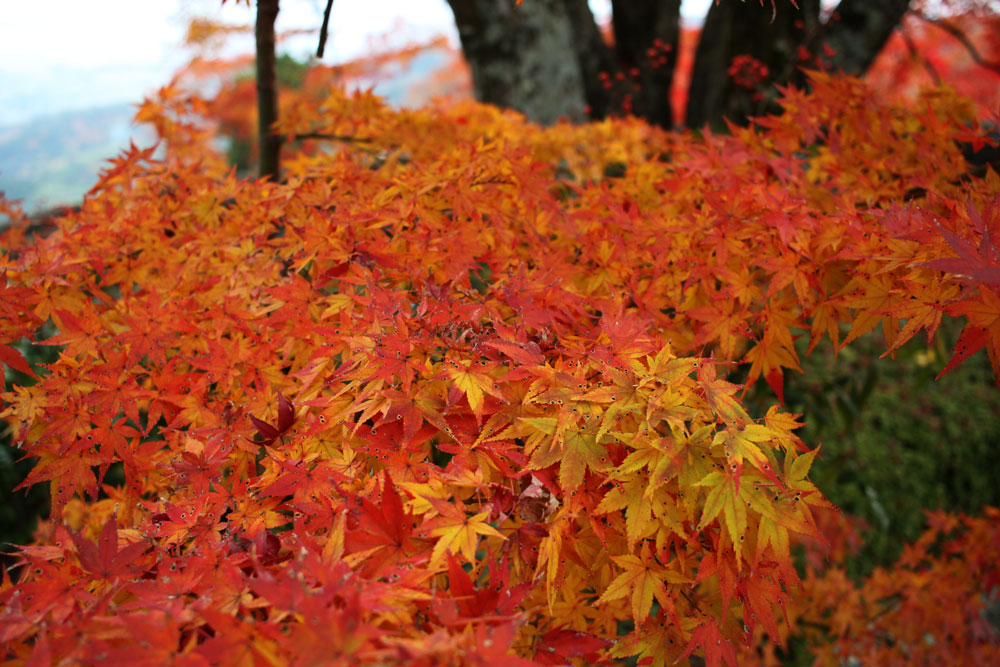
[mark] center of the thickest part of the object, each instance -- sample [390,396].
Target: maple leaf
[576,451]
[773,352]
[707,637]
[492,646]
[269,433]
[644,578]
[526,353]
[719,395]
[559,646]
[762,593]
[744,443]
[303,478]
[160,637]
[876,299]
[722,324]
[457,532]
[923,311]
[731,500]
[982,264]
[12,357]
[104,559]
[982,329]
[384,531]
[67,474]
[473,383]
[495,603]
[637,503]
[80,335]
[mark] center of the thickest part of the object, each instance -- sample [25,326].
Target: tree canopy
[461,388]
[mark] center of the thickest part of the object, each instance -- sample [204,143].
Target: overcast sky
[60,55]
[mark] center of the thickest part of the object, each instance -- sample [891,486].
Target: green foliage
[291,72]
[894,441]
[21,509]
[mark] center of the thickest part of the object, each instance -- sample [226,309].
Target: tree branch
[323,29]
[331,137]
[962,38]
[915,53]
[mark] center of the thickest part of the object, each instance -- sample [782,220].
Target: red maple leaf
[268,433]
[707,637]
[558,647]
[104,559]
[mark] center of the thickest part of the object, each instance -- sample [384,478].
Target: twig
[323,29]
[332,137]
[914,52]
[963,39]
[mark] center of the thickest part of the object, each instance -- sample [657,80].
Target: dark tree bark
[735,29]
[594,58]
[512,48]
[860,30]
[518,56]
[548,59]
[639,29]
[267,90]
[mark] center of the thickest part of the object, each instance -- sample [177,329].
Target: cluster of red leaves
[932,607]
[921,54]
[423,402]
[747,71]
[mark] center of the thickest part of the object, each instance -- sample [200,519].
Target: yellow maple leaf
[731,501]
[457,532]
[644,578]
[473,384]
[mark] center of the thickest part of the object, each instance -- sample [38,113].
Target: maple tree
[462,389]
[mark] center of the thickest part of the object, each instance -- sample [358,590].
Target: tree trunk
[724,82]
[267,90]
[859,29]
[647,34]
[517,55]
[594,58]
[548,59]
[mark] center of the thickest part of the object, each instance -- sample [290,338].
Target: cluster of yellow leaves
[505,355]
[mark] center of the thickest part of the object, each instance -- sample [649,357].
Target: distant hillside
[55,159]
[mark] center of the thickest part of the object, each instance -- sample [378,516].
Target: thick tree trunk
[548,59]
[849,42]
[733,29]
[517,55]
[859,29]
[267,90]
[647,34]
[594,58]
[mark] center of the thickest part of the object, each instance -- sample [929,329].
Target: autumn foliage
[921,53]
[461,389]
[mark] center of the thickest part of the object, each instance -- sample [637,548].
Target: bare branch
[331,137]
[915,53]
[323,29]
[963,39]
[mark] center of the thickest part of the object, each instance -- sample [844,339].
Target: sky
[63,55]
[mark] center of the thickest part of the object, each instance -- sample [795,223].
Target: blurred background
[72,73]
